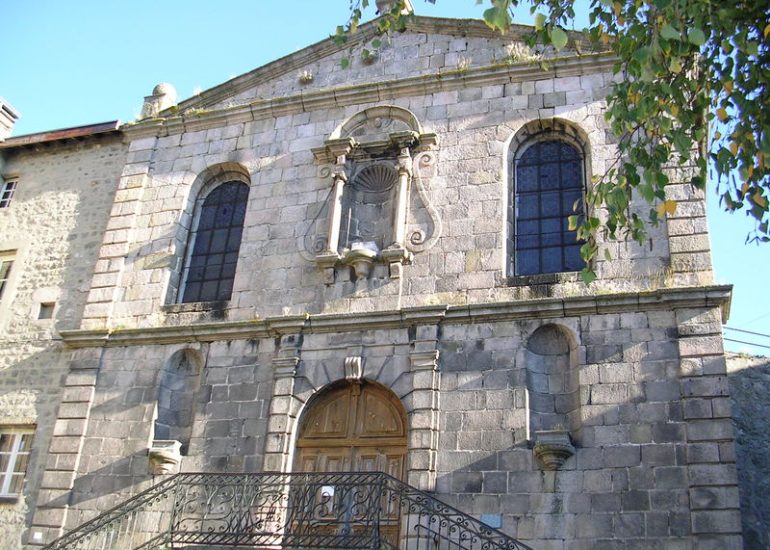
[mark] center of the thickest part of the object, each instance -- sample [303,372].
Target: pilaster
[65,452]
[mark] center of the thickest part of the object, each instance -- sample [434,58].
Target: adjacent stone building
[311,268]
[57,192]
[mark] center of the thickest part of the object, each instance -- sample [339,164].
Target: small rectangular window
[15,446]
[6,193]
[6,263]
[46,310]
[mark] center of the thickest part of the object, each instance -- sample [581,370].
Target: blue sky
[69,63]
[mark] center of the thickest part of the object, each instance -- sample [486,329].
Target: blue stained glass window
[216,239]
[549,181]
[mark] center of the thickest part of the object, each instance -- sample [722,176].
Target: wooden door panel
[358,427]
[394,463]
[377,417]
[329,419]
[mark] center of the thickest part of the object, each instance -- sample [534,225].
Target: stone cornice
[545,308]
[371,92]
[315,52]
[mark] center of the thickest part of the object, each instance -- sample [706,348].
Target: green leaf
[539,21]
[698,182]
[696,36]
[675,66]
[376,43]
[559,38]
[642,54]
[572,223]
[588,276]
[497,18]
[669,33]
[345,62]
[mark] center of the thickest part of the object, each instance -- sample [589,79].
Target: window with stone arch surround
[215,238]
[547,181]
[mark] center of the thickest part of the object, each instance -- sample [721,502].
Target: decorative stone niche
[174,411]
[165,457]
[552,394]
[371,159]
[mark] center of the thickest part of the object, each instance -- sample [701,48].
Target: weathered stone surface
[749,379]
[54,225]
[629,371]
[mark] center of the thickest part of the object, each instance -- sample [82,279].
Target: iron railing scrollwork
[368,510]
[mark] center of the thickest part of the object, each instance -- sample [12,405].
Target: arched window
[547,189]
[215,240]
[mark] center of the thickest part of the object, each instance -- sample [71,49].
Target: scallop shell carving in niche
[375,179]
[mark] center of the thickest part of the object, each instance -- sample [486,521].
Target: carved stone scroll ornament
[421,240]
[314,239]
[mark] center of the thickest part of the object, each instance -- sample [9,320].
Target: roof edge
[74,132]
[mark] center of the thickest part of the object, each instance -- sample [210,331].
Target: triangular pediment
[428,46]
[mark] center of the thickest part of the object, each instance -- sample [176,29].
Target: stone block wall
[55,226]
[107,447]
[638,390]
[749,378]
[465,178]
[653,460]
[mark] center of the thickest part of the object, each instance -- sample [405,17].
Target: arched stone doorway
[353,426]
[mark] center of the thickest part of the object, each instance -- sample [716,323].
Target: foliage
[692,95]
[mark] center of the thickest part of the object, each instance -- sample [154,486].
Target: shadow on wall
[625,481]
[750,395]
[29,396]
[61,247]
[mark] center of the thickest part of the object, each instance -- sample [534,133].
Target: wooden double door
[357,427]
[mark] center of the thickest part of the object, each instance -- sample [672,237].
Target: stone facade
[580,416]
[53,227]
[749,377]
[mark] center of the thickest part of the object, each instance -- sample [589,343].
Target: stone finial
[384,6]
[165,456]
[8,117]
[163,96]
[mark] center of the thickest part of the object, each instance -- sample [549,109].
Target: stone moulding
[325,48]
[344,96]
[546,308]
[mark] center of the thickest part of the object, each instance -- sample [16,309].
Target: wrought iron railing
[299,510]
